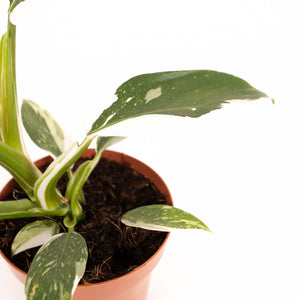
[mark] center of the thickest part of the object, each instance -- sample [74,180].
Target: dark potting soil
[114,249]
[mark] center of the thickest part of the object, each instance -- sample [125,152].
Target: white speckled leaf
[180,93]
[162,218]
[42,128]
[34,234]
[57,268]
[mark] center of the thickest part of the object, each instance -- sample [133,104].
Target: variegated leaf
[103,142]
[161,218]
[42,128]
[180,93]
[34,234]
[57,268]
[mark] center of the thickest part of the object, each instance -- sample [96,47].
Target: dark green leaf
[161,218]
[180,93]
[57,268]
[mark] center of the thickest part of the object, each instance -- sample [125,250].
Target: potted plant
[179,93]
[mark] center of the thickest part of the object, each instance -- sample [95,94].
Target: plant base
[134,284]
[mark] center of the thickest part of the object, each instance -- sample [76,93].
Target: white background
[237,169]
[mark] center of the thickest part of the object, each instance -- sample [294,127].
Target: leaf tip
[12,253]
[207,229]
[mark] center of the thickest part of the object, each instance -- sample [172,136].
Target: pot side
[131,286]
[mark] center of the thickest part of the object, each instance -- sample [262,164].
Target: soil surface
[114,249]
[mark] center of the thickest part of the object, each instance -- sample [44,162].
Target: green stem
[10,118]
[45,188]
[20,167]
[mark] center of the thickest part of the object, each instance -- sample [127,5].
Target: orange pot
[131,286]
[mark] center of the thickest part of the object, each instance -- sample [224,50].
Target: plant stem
[10,126]
[20,167]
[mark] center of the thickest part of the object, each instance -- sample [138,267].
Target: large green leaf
[57,268]
[161,218]
[34,234]
[42,128]
[180,93]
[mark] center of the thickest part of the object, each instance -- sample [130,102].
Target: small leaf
[179,93]
[103,142]
[57,268]
[33,235]
[161,218]
[42,128]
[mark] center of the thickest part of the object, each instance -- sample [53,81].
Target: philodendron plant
[180,93]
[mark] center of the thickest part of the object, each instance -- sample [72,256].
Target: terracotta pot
[131,286]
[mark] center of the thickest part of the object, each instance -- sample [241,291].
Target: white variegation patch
[242,101]
[153,94]
[80,269]
[109,118]
[35,241]
[148,226]
[76,281]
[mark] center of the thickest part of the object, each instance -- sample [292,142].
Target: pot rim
[106,153]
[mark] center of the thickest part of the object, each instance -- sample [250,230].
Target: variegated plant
[182,93]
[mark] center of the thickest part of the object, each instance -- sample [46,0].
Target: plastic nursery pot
[131,286]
